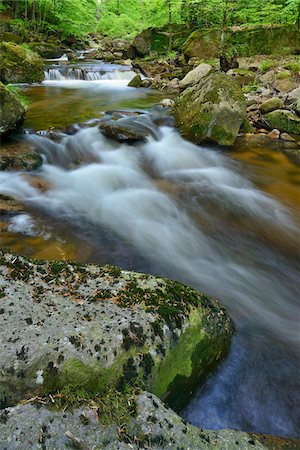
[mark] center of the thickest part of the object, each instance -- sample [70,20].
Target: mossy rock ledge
[212,110]
[74,327]
[19,64]
[11,110]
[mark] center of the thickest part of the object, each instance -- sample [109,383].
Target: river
[222,221]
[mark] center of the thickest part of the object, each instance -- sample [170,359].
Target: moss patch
[19,64]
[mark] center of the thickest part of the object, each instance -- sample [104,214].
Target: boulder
[213,110]
[195,75]
[48,50]
[283,120]
[19,65]
[150,425]
[86,329]
[136,81]
[124,129]
[19,155]
[285,85]
[294,100]
[270,105]
[242,76]
[11,110]
[142,42]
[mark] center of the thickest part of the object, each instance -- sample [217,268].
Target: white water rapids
[188,212]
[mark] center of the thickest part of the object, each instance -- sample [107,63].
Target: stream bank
[182,187]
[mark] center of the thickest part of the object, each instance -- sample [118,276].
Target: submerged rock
[19,64]
[214,110]
[135,127]
[86,328]
[11,110]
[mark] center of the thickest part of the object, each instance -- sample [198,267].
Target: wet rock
[135,82]
[213,109]
[74,327]
[167,103]
[124,130]
[19,65]
[270,105]
[287,137]
[12,111]
[283,120]
[195,75]
[274,134]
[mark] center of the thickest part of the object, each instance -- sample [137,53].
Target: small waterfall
[53,74]
[86,74]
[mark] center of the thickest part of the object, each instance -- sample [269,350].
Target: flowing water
[225,223]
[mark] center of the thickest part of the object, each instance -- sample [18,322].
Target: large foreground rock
[85,328]
[19,64]
[11,110]
[214,110]
[153,426]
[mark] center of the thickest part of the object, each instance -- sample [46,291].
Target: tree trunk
[170,26]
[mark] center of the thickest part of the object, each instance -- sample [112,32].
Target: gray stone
[155,426]
[86,327]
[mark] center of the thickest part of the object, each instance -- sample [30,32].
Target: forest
[125,18]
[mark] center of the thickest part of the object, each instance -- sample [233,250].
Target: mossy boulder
[85,328]
[136,81]
[142,42]
[11,110]
[242,76]
[212,110]
[48,50]
[244,40]
[271,104]
[283,120]
[19,64]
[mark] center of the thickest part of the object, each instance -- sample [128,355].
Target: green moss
[188,363]
[283,120]
[293,67]
[19,65]
[283,75]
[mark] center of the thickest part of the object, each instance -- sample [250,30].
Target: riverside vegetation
[89,353]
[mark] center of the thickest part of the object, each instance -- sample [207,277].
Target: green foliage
[293,66]
[266,65]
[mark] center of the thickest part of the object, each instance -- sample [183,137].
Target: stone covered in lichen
[153,427]
[19,64]
[72,328]
[212,110]
[11,110]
